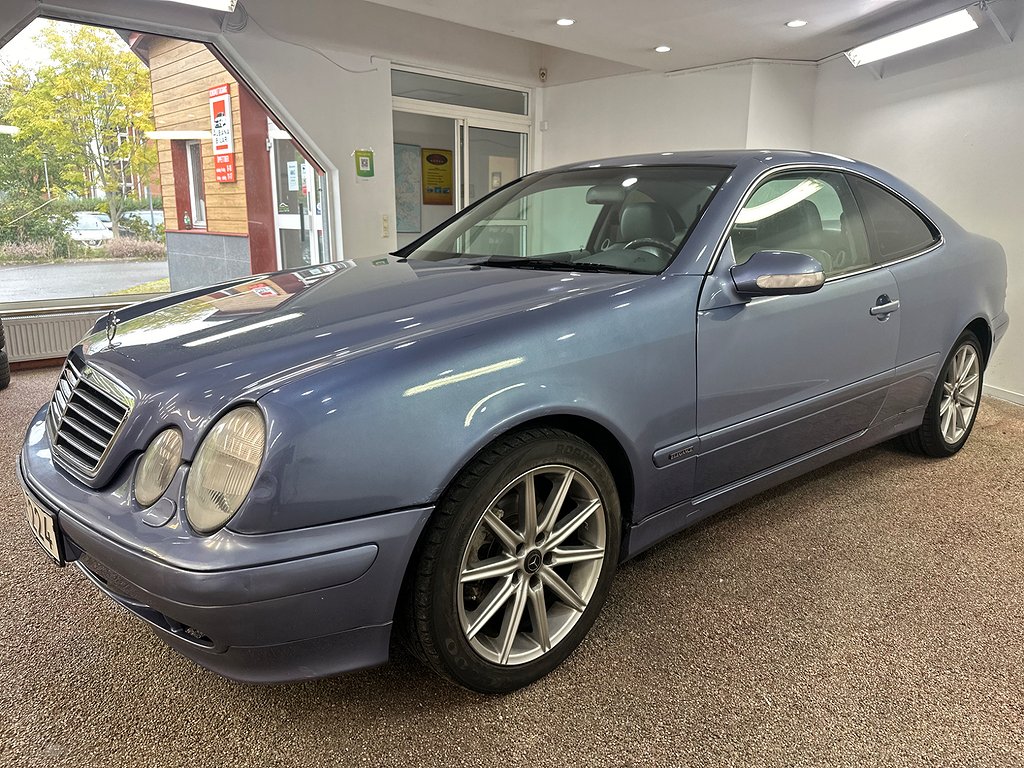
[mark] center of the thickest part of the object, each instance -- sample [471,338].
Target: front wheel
[953,407]
[517,563]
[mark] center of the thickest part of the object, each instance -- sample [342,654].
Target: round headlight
[225,468]
[157,467]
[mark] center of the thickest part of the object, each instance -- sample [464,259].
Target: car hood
[242,340]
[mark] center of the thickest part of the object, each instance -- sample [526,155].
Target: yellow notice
[437,176]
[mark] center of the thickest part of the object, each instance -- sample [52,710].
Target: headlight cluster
[225,468]
[158,466]
[222,473]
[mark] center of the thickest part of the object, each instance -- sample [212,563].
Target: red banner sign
[224,167]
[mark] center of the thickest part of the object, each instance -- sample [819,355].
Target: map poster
[437,176]
[407,188]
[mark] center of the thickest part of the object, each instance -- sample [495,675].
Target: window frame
[768,174]
[196,191]
[189,24]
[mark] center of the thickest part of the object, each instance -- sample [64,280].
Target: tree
[88,110]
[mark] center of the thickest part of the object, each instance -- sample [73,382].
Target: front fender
[390,430]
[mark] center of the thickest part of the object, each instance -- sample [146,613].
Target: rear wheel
[517,563]
[953,406]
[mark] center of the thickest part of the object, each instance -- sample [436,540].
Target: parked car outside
[137,222]
[89,230]
[104,217]
[465,438]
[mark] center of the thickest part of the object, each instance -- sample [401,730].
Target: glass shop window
[135,164]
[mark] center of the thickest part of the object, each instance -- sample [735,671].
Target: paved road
[64,281]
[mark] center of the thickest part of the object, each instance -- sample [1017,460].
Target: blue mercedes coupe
[461,441]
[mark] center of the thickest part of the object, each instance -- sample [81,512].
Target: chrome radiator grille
[86,413]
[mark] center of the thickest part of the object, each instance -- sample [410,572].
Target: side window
[896,230]
[812,212]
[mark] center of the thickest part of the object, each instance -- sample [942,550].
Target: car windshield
[632,219]
[88,221]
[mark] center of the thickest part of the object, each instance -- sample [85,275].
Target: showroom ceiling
[699,32]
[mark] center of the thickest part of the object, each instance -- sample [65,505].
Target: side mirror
[778,273]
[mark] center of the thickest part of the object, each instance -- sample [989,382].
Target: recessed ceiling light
[796,23]
[662,49]
[565,22]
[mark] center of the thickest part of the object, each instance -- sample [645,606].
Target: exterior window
[196,188]
[896,229]
[443,90]
[809,212]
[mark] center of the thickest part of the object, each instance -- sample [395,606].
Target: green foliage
[86,113]
[27,219]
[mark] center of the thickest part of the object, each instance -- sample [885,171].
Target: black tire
[929,439]
[3,337]
[438,596]
[5,370]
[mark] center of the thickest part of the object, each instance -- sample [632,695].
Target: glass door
[493,157]
[299,205]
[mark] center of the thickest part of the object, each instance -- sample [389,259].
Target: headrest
[799,219]
[604,194]
[646,220]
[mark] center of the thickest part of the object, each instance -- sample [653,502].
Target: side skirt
[678,517]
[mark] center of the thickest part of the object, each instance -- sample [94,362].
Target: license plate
[44,526]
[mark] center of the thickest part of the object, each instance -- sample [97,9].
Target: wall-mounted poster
[407,188]
[437,176]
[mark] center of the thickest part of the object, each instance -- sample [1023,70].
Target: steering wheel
[668,248]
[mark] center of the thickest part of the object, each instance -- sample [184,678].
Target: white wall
[954,131]
[781,105]
[646,113]
[750,104]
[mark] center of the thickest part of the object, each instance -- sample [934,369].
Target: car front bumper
[255,608]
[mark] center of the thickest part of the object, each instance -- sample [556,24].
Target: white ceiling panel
[700,32]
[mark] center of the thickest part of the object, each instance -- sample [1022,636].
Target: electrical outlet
[385,226]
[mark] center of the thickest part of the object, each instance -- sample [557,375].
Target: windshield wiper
[553,264]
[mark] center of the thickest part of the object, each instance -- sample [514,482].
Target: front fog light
[157,468]
[225,468]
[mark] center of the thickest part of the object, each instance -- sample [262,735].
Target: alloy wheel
[531,565]
[960,393]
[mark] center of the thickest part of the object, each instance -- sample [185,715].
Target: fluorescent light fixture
[10,130]
[180,135]
[786,200]
[662,49]
[227,6]
[933,31]
[565,22]
[796,23]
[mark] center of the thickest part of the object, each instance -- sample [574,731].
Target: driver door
[781,376]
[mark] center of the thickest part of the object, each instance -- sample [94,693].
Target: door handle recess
[885,307]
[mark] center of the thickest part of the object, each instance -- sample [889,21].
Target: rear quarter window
[894,228]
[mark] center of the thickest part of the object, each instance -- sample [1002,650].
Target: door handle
[884,306]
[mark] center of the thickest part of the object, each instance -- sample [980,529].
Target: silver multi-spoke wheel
[532,564]
[960,391]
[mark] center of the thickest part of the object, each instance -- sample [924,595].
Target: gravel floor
[868,614]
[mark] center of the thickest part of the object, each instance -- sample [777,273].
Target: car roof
[722,157]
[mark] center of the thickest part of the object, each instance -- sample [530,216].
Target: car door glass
[811,212]
[896,230]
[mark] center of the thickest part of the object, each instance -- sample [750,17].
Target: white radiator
[39,337]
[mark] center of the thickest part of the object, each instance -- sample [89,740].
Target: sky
[23,49]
